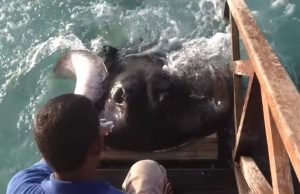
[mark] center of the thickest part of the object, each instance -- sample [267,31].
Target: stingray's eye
[119,96]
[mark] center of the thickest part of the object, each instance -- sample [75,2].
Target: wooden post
[279,160]
[237,79]
[240,180]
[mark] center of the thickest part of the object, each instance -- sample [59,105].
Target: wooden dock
[192,169]
[198,149]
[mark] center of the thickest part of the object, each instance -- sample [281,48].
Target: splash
[215,50]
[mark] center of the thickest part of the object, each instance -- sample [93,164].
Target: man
[67,134]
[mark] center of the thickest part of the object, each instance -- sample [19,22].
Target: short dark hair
[64,130]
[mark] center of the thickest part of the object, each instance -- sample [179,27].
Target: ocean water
[34,33]
[280,22]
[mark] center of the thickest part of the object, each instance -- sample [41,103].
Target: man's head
[65,130]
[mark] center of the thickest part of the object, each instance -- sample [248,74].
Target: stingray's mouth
[115,108]
[116,113]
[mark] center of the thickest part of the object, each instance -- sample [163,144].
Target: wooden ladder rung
[198,149]
[242,67]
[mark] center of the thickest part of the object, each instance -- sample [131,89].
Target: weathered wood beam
[281,93]
[237,80]
[253,176]
[242,67]
[238,101]
[240,180]
[279,160]
[204,149]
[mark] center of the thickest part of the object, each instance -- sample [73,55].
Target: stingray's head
[146,109]
[127,99]
[143,98]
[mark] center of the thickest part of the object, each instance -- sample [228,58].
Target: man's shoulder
[107,188]
[29,180]
[37,179]
[113,190]
[116,192]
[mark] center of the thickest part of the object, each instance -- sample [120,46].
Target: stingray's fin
[110,56]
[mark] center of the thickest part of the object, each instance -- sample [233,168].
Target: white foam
[289,9]
[47,48]
[279,3]
[102,10]
[215,50]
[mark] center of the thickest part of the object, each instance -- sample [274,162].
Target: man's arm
[29,181]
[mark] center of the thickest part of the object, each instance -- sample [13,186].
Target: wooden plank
[242,67]
[253,176]
[240,180]
[282,95]
[184,180]
[239,131]
[237,80]
[204,148]
[238,101]
[279,161]
[251,120]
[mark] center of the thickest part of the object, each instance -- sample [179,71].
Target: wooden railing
[271,98]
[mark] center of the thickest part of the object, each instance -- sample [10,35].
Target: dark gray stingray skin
[153,109]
